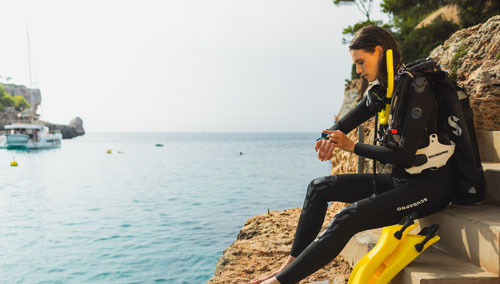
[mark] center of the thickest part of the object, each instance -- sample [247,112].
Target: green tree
[2,91]
[420,42]
[417,43]
[7,100]
[365,6]
[473,12]
[20,103]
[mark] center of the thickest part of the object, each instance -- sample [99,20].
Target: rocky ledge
[263,244]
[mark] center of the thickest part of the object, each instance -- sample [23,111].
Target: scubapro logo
[452,121]
[412,205]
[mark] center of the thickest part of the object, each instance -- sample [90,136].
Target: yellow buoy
[13,164]
[109,151]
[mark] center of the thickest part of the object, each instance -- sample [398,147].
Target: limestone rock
[73,129]
[77,124]
[449,13]
[262,246]
[33,96]
[473,56]
[353,93]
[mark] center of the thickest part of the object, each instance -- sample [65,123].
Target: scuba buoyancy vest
[453,120]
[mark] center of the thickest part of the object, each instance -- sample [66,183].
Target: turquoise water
[146,215]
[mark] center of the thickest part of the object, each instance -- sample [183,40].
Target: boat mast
[29,53]
[29,68]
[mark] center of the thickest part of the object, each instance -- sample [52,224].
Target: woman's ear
[380,50]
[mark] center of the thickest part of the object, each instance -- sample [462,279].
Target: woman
[397,192]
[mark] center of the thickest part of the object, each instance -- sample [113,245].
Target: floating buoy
[159,145]
[109,151]
[13,164]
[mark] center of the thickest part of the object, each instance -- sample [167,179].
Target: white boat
[31,136]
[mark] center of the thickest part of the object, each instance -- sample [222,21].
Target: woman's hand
[336,139]
[339,139]
[324,149]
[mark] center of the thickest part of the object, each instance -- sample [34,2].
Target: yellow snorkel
[383,115]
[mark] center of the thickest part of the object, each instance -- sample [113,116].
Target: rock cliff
[34,97]
[73,129]
[472,55]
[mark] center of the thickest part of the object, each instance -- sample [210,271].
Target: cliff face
[473,56]
[34,97]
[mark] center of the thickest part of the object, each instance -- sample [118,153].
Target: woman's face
[367,62]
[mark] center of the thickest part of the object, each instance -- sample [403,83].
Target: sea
[143,213]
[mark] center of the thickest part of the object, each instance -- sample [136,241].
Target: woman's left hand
[340,140]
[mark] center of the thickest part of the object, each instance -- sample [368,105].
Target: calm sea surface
[142,214]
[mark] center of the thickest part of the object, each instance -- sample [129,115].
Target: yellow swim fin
[405,253]
[389,240]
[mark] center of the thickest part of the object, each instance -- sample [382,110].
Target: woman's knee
[344,222]
[317,187]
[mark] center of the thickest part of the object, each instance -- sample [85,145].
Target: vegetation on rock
[6,100]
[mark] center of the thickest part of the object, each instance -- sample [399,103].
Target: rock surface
[449,13]
[473,56]
[73,129]
[33,96]
[262,246]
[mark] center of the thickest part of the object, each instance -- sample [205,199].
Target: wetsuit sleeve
[420,100]
[359,114]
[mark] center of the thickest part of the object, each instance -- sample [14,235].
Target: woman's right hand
[325,149]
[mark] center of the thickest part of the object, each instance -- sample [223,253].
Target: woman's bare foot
[273,280]
[289,260]
[264,278]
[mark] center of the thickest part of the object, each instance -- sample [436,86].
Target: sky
[182,65]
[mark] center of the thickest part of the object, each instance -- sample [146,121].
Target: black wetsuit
[399,193]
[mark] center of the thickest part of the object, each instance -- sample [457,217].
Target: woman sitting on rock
[398,193]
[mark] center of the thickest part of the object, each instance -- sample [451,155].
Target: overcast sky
[182,65]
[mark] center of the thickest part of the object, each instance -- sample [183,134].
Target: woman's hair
[367,38]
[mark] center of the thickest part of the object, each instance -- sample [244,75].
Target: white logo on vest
[452,121]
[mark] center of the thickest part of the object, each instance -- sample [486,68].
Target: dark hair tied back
[367,38]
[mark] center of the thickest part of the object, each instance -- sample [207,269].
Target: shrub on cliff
[21,103]
[7,100]
[417,43]
[420,42]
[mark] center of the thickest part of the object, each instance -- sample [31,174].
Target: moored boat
[31,136]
